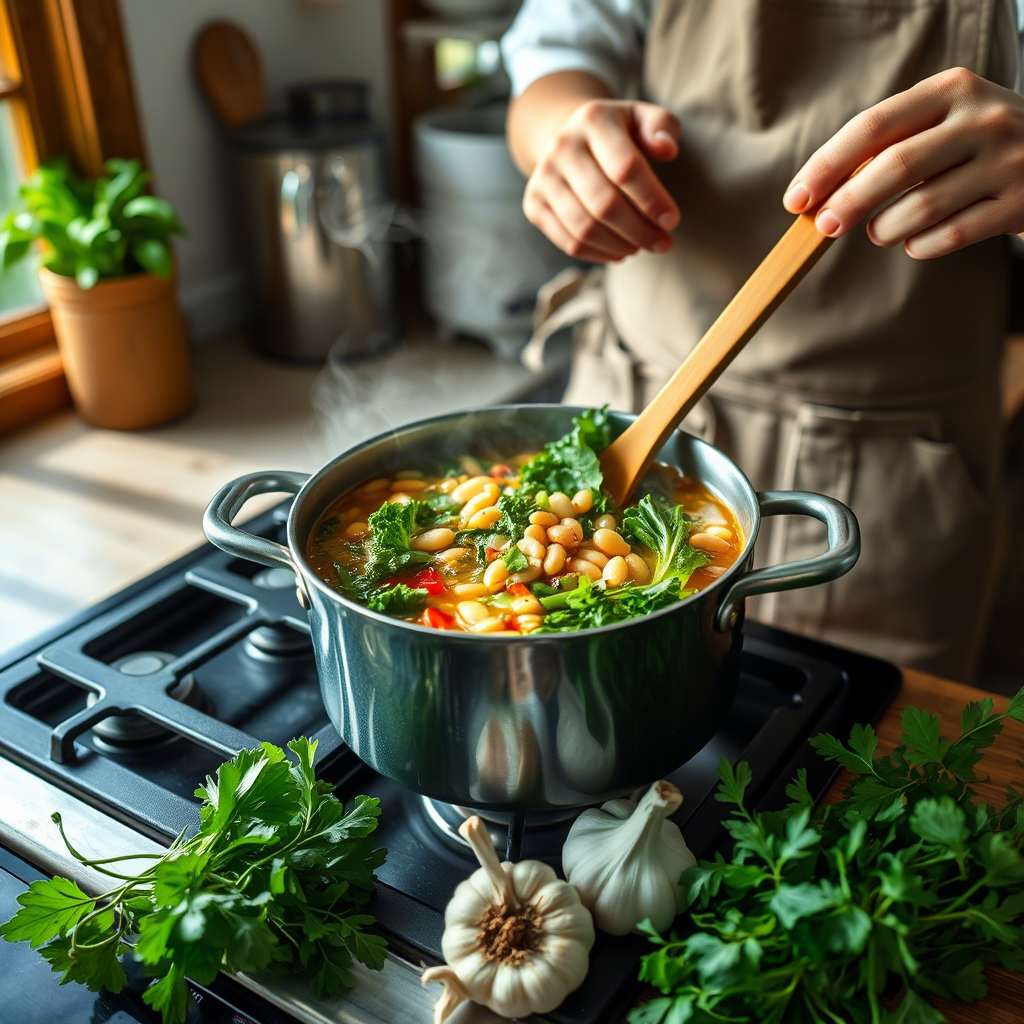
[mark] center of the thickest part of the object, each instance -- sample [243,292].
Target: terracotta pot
[124,349]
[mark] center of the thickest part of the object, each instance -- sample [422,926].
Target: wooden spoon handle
[625,461]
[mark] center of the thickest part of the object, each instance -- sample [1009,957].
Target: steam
[354,401]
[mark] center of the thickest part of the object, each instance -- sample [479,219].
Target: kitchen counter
[84,512]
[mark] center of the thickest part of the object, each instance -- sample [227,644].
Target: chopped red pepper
[518,589]
[499,470]
[436,619]
[513,623]
[492,554]
[427,579]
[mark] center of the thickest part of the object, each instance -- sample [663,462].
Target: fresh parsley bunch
[859,912]
[274,879]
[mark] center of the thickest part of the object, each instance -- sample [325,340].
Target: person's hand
[951,148]
[593,192]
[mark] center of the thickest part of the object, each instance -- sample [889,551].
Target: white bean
[708,542]
[583,568]
[371,486]
[723,532]
[447,486]
[542,518]
[554,560]
[527,605]
[575,526]
[605,522]
[400,498]
[408,484]
[611,543]
[472,611]
[563,535]
[489,625]
[598,558]
[450,555]
[484,518]
[470,590]
[639,570]
[356,530]
[538,533]
[495,574]
[472,487]
[530,623]
[582,501]
[527,575]
[532,548]
[486,497]
[616,572]
[433,540]
[560,504]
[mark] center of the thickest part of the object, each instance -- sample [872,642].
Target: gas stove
[116,717]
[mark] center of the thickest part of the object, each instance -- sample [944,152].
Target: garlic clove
[454,991]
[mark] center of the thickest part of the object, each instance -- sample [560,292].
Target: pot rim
[300,563]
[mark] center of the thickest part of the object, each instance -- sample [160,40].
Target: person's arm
[951,148]
[591,188]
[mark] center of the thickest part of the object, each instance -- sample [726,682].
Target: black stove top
[212,654]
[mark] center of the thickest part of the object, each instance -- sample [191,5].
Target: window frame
[73,94]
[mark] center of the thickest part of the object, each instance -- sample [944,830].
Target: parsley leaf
[274,879]
[859,911]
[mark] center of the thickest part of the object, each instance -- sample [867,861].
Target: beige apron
[876,381]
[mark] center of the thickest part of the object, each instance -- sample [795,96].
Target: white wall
[298,40]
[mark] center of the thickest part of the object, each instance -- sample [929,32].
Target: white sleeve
[603,37]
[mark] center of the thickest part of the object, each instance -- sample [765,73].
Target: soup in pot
[526,545]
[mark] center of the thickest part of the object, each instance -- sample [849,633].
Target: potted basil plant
[108,275]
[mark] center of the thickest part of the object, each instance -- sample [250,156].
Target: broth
[469,577]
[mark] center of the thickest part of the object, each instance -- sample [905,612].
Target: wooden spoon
[625,461]
[230,73]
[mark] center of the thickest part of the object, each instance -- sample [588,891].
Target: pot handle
[227,503]
[838,559]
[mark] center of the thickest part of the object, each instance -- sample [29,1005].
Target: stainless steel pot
[532,722]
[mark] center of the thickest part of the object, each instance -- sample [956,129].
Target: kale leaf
[860,911]
[398,600]
[589,606]
[663,527]
[391,528]
[570,464]
[275,879]
[516,509]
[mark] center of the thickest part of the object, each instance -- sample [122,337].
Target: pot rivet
[300,596]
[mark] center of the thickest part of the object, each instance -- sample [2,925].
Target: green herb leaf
[665,529]
[570,464]
[515,560]
[274,879]
[398,600]
[48,909]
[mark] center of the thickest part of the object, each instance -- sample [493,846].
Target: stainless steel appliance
[215,654]
[315,209]
[419,705]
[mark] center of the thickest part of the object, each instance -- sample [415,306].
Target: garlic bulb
[516,938]
[626,858]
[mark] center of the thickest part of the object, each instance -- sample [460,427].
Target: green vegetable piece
[860,911]
[570,464]
[665,529]
[391,529]
[515,560]
[398,600]
[275,879]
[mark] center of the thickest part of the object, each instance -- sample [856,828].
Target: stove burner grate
[122,732]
